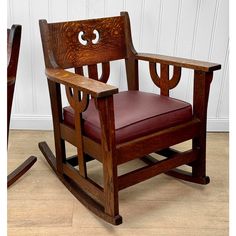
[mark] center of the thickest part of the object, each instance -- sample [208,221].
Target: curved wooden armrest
[180,62]
[96,88]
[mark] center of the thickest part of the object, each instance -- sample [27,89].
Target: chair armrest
[95,88]
[177,61]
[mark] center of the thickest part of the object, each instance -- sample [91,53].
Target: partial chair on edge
[13,48]
[116,127]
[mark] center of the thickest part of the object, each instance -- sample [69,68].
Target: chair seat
[133,117]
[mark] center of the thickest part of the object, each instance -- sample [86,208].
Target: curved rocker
[76,190]
[20,170]
[178,173]
[187,176]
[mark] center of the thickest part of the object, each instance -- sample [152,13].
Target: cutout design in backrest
[87,42]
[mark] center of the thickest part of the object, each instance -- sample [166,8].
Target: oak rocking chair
[115,127]
[13,48]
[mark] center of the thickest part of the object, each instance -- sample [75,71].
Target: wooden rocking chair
[13,48]
[115,127]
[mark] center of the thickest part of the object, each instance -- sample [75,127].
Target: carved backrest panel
[87,42]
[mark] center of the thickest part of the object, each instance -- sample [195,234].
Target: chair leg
[198,174]
[111,205]
[199,166]
[20,170]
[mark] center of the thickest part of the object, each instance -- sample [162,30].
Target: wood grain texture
[180,62]
[95,88]
[71,53]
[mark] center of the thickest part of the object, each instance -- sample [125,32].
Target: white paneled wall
[195,29]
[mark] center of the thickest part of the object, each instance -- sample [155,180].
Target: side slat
[93,71]
[151,170]
[79,70]
[105,72]
[86,184]
[91,148]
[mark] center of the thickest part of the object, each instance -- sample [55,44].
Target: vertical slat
[105,72]
[132,73]
[79,70]
[93,71]
[79,141]
[164,80]
[79,104]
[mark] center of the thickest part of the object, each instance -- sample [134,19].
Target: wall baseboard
[218,125]
[44,122]
[31,122]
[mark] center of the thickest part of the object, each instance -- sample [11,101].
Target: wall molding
[31,122]
[44,122]
[218,124]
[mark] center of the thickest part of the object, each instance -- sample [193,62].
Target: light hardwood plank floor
[39,204]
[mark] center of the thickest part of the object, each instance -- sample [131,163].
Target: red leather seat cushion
[136,114]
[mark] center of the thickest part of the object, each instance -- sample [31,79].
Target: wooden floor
[39,204]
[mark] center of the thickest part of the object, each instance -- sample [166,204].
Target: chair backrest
[13,49]
[75,44]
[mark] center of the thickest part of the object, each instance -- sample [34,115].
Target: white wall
[195,29]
